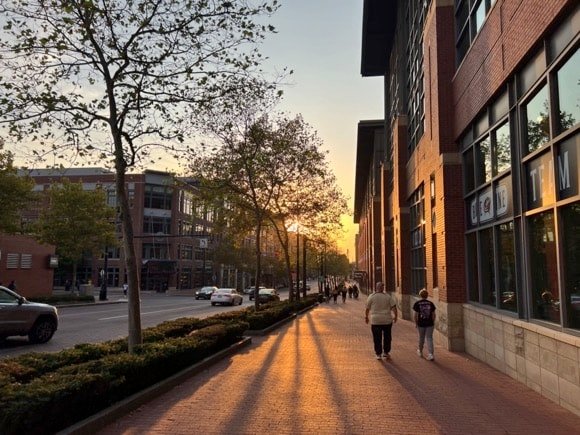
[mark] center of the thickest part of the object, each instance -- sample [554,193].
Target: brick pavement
[318,375]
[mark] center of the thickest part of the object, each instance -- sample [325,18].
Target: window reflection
[571,225]
[543,267]
[472,269]
[483,161]
[537,120]
[507,268]
[569,93]
[502,155]
[468,165]
[487,268]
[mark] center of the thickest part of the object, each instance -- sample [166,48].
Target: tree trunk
[258,263]
[134,306]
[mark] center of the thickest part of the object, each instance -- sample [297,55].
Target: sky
[321,41]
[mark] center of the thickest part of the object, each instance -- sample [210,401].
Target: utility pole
[304,266]
[297,263]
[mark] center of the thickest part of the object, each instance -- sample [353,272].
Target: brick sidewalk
[318,375]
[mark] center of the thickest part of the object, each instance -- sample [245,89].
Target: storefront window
[540,181]
[472,269]
[502,156]
[507,267]
[483,172]
[543,267]
[569,93]
[487,269]
[571,239]
[537,116]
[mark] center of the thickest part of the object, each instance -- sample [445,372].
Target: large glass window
[507,267]
[537,125]
[543,267]
[569,93]
[469,18]
[502,155]
[487,269]
[158,197]
[571,241]
[158,251]
[472,268]
[469,170]
[418,267]
[156,224]
[483,162]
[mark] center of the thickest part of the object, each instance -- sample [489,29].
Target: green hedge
[47,392]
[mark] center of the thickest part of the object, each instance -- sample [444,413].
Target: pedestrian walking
[381,312]
[342,289]
[425,321]
[12,286]
[67,285]
[335,293]
[125,288]
[327,292]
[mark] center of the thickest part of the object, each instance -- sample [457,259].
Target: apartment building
[470,185]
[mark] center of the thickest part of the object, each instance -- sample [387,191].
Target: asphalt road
[102,322]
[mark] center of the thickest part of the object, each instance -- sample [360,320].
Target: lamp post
[297,262]
[304,266]
[103,292]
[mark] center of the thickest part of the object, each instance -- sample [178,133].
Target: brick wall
[511,31]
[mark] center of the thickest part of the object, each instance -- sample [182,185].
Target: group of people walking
[342,289]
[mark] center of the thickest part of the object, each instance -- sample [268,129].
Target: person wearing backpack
[425,321]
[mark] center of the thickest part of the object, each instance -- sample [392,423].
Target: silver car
[21,317]
[226,296]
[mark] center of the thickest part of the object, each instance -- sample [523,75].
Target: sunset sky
[321,41]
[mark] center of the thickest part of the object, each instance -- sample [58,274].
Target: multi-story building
[173,231]
[475,184]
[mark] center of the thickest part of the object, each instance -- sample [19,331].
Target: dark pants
[382,338]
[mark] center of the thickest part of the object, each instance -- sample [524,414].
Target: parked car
[268,295]
[21,317]
[226,296]
[307,286]
[205,292]
[251,291]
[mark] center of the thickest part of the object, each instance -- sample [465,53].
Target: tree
[113,80]
[273,169]
[15,194]
[76,221]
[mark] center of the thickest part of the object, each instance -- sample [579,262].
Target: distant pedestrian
[327,292]
[382,308]
[343,292]
[335,293]
[67,285]
[12,286]
[425,321]
[125,288]
[350,291]
[78,286]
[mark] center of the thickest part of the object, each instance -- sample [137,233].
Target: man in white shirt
[382,308]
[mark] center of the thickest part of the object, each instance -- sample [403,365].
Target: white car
[226,296]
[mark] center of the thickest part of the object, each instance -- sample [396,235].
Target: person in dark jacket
[425,321]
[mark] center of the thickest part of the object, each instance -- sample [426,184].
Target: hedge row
[46,392]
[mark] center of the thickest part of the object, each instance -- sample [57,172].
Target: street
[102,322]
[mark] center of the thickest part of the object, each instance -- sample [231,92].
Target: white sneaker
[377,356]
[419,353]
[386,356]
[430,357]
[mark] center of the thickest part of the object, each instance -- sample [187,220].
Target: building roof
[378,31]
[64,172]
[365,144]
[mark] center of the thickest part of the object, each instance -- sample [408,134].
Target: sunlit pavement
[318,375]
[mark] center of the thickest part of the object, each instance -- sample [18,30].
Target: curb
[108,415]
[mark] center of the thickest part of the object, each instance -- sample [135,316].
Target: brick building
[172,233]
[469,187]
